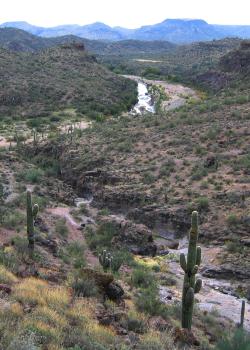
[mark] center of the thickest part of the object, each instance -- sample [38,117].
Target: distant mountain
[173,30]
[18,40]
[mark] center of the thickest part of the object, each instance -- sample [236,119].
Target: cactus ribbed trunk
[190,267]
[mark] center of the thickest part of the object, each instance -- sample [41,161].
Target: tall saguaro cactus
[32,212]
[190,267]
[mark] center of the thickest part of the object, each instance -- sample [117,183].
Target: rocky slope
[59,78]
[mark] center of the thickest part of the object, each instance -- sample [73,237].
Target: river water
[145,102]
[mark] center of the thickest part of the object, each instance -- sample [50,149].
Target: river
[145,101]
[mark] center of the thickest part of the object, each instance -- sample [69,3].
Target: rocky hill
[59,78]
[232,69]
[22,41]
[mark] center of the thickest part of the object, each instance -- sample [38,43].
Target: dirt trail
[177,94]
[75,231]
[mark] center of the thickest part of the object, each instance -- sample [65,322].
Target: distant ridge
[174,30]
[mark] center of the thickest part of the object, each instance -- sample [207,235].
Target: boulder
[114,291]
[101,279]
[5,288]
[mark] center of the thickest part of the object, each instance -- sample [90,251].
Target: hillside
[59,78]
[173,30]
[232,70]
[181,63]
[22,41]
[99,218]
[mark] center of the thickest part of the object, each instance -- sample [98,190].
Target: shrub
[148,302]
[232,220]
[156,341]
[135,322]
[142,278]
[239,341]
[102,238]
[33,176]
[13,219]
[61,227]
[167,167]
[198,172]
[148,178]
[84,287]
[202,203]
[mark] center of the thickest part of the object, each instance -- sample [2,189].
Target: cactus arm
[35,211]
[198,285]
[195,270]
[183,262]
[198,256]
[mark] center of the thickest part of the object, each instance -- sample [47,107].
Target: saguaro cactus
[190,267]
[242,313]
[105,260]
[32,212]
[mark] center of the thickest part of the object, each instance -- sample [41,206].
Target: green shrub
[135,322]
[30,175]
[233,220]
[142,278]
[84,287]
[61,228]
[13,219]
[148,302]
[102,237]
[239,341]
[202,203]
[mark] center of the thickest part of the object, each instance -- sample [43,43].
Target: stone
[5,288]
[114,291]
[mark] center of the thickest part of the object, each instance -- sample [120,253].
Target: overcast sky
[126,13]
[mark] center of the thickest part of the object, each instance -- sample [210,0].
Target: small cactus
[105,259]
[190,267]
[242,313]
[32,212]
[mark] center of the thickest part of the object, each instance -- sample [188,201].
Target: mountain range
[173,30]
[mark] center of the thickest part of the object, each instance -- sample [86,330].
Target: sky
[125,13]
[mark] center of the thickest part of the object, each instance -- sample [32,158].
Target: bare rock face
[226,271]
[137,238]
[163,219]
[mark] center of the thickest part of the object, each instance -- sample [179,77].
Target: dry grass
[37,292]
[7,276]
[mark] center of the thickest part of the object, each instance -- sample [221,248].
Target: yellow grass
[37,292]
[7,276]
[49,316]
